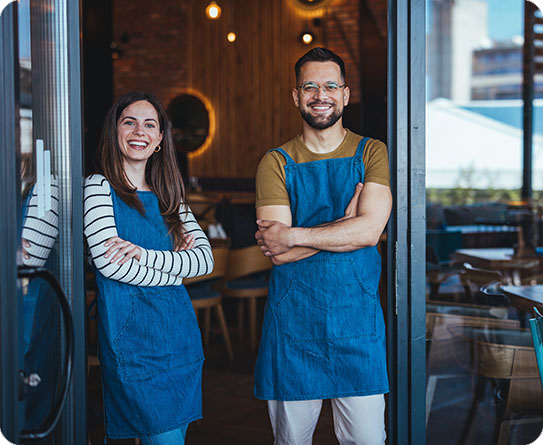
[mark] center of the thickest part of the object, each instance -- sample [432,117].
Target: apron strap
[361,146]
[285,154]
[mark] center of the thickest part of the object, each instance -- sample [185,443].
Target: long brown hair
[161,171]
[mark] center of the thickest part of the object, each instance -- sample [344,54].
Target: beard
[321,122]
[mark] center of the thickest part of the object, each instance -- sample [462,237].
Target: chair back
[473,279]
[533,280]
[536,326]
[501,353]
[439,317]
[220,259]
[246,261]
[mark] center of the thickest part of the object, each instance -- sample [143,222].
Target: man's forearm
[339,236]
[294,254]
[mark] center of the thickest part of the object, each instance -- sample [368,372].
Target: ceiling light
[306,37]
[231,37]
[213,10]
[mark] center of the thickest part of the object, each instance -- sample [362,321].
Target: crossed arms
[363,223]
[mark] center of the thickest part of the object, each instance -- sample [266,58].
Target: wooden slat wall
[248,82]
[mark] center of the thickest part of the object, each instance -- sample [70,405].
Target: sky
[505,18]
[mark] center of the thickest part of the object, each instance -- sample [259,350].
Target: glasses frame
[324,86]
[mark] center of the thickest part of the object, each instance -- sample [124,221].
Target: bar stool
[247,280]
[204,296]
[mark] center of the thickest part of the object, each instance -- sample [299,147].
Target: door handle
[53,417]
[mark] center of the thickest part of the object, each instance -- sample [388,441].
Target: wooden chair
[442,277]
[473,279]
[493,354]
[439,316]
[247,280]
[204,297]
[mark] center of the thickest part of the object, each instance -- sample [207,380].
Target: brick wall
[168,46]
[154,57]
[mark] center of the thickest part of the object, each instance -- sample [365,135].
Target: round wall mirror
[310,4]
[190,121]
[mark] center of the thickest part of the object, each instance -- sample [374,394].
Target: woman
[143,240]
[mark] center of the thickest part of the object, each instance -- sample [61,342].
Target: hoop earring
[158,148]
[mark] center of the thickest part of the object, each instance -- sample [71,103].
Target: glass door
[42,301]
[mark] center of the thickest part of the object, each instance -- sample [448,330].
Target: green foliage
[461,195]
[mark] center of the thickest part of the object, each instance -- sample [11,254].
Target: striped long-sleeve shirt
[155,267]
[40,231]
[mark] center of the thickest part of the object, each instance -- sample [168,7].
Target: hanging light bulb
[213,10]
[231,37]
[307,37]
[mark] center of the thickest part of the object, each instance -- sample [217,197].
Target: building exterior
[497,72]
[457,28]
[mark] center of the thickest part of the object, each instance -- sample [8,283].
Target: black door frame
[73,424]
[407,228]
[10,295]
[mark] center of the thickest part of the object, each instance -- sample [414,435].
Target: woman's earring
[157,149]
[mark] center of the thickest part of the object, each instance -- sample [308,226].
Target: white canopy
[466,149]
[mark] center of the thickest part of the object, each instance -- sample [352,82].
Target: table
[525,297]
[203,203]
[497,258]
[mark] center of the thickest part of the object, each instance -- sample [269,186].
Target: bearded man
[323,200]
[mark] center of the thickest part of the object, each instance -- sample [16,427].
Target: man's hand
[273,237]
[352,207]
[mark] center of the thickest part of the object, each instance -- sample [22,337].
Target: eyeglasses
[313,88]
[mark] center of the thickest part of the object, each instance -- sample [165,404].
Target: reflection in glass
[39,243]
[482,379]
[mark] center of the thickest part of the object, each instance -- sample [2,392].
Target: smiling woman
[139,136]
[143,240]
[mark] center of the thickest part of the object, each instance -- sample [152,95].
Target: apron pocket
[160,334]
[325,302]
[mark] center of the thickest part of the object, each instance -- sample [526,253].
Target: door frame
[406,229]
[72,427]
[10,294]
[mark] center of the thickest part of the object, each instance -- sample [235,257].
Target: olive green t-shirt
[270,177]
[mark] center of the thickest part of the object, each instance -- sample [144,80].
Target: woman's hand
[122,249]
[26,245]
[186,244]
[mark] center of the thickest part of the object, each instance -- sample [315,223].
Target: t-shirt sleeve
[270,181]
[375,159]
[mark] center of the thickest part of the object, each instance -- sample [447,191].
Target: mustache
[318,102]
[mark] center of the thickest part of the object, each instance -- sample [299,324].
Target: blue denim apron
[41,339]
[323,335]
[149,342]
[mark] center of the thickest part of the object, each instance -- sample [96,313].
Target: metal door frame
[407,228]
[10,296]
[73,425]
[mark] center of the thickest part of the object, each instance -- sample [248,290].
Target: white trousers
[357,420]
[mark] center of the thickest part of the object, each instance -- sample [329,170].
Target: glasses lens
[331,87]
[310,87]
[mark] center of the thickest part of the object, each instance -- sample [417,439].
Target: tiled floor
[232,415]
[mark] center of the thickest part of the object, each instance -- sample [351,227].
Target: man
[323,201]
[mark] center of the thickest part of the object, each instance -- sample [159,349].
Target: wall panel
[174,47]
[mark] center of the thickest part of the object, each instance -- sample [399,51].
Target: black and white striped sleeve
[184,263]
[40,231]
[99,226]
